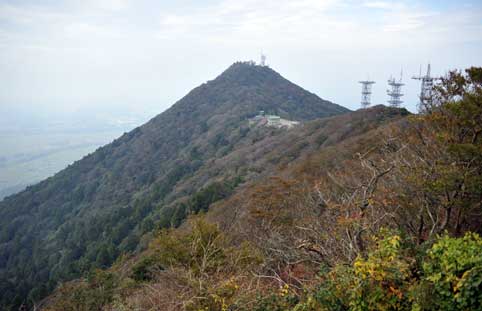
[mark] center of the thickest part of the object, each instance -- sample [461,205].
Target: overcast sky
[100,55]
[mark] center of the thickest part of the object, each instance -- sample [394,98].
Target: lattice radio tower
[395,91]
[426,89]
[366,93]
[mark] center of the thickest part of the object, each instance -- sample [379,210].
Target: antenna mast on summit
[366,93]
[395,91]
[426,89]
[263,60]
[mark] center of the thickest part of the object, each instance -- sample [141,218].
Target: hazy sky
[144,55]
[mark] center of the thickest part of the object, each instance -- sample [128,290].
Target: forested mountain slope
[379,210]
[270,153]
[101,206]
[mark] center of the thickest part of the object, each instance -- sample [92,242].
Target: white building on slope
[272,121]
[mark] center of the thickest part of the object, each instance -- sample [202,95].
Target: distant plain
[29,154]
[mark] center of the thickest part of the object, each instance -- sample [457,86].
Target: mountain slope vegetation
[178,163]
[386,217]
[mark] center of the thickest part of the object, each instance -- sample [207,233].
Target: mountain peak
[248,73]
[241,91]
[245,65]
[100,206]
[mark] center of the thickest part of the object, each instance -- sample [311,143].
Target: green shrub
[452,275]
[284,299]
[92,294]
[144,269]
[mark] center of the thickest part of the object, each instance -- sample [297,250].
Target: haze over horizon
[140,57]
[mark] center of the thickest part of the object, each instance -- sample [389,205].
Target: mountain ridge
[100,206]
[299,154]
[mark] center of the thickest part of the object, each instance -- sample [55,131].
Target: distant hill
[194,153]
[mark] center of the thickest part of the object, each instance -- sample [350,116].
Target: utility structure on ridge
[426,89]
[395,91]
[263,60]
[366,93]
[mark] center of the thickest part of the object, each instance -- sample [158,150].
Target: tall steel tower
[426,89]
[395,91]
[366,92]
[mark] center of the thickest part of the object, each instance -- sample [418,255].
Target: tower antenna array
[263,60]
[395,91]
[366,92]
[426,89]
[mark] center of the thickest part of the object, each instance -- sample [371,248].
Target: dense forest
[180,162]
[384,218]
